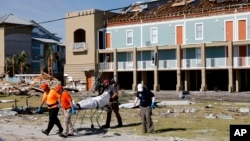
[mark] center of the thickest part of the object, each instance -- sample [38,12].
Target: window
[153,57]
[129,58]
[198,56]
[154,35]
[198,31]
[129,37]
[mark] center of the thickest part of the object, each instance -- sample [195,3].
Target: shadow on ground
[127,125]
[169,130]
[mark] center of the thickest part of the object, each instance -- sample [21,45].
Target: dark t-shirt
[145,97]
[112,90]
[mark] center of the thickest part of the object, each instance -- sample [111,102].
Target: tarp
[93,102]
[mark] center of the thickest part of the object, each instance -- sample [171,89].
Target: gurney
[98,104]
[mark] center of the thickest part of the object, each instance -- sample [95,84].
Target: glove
[152,105]
[39,109]
[73,112]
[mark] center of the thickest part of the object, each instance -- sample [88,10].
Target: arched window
[79,35]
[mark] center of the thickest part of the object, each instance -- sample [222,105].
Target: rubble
[26,84]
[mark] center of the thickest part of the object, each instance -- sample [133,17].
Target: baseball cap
[106,81]
[140,87]
[44,86]
[58,88]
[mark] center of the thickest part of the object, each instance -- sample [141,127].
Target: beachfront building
[180,45]
[17,35]
[174,45]
[45,43]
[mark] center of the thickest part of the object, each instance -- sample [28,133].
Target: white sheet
[93,102]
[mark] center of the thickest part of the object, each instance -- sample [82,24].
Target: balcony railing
[125,65]
[108,66]
[216,62]
[191,63]
[167,64]
[79,47]
[145,65]
[241,62]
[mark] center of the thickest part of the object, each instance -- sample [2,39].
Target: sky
[48,10]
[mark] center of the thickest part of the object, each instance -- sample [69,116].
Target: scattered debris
[6,101]
[244,110]
[209,106]
[128,105]
[7,113]
[167,103]
[26,83]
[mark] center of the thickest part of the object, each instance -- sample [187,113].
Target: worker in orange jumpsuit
[52,98]
[68,110]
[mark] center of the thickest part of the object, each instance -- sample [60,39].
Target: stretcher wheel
[92,126]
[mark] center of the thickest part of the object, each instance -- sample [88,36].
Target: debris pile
[26,84]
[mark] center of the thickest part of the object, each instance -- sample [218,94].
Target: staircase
[99,75]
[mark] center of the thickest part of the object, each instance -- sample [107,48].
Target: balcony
[145,65]
[125,65]
[240,62]
[167,64]
[107,66]
[191,63]
[216,62]
[79,47]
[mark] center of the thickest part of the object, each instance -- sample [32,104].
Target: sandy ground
[28,128]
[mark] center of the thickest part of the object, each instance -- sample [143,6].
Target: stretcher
[96,106]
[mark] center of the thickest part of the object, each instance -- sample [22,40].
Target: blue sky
[47,10]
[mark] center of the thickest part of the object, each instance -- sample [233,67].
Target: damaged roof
[176,9]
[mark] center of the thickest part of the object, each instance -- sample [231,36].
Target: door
[108,40]
[89,81]
[242,29]
[242,55]
[229,31]
[179,35]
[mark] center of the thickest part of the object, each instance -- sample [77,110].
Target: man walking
[68,110]
[114,103]
[147,100]
[52,98]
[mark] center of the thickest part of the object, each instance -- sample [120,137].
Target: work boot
[59,132]
[119,125]
[105,126]
[45,132]
[62,135]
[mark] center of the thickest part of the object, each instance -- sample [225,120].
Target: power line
[59,19]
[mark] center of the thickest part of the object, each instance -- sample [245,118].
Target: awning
[47,40]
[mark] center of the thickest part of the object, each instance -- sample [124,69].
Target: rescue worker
[114,103]
[147,103]
[52,98]
[99,86]
[68,110]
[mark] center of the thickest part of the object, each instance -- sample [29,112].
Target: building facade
[178,45]
[44,43]
[17,35]
[81,45]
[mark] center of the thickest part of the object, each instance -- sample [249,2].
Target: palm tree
[7,64]
[49,59]
[22,61]
[13,61]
